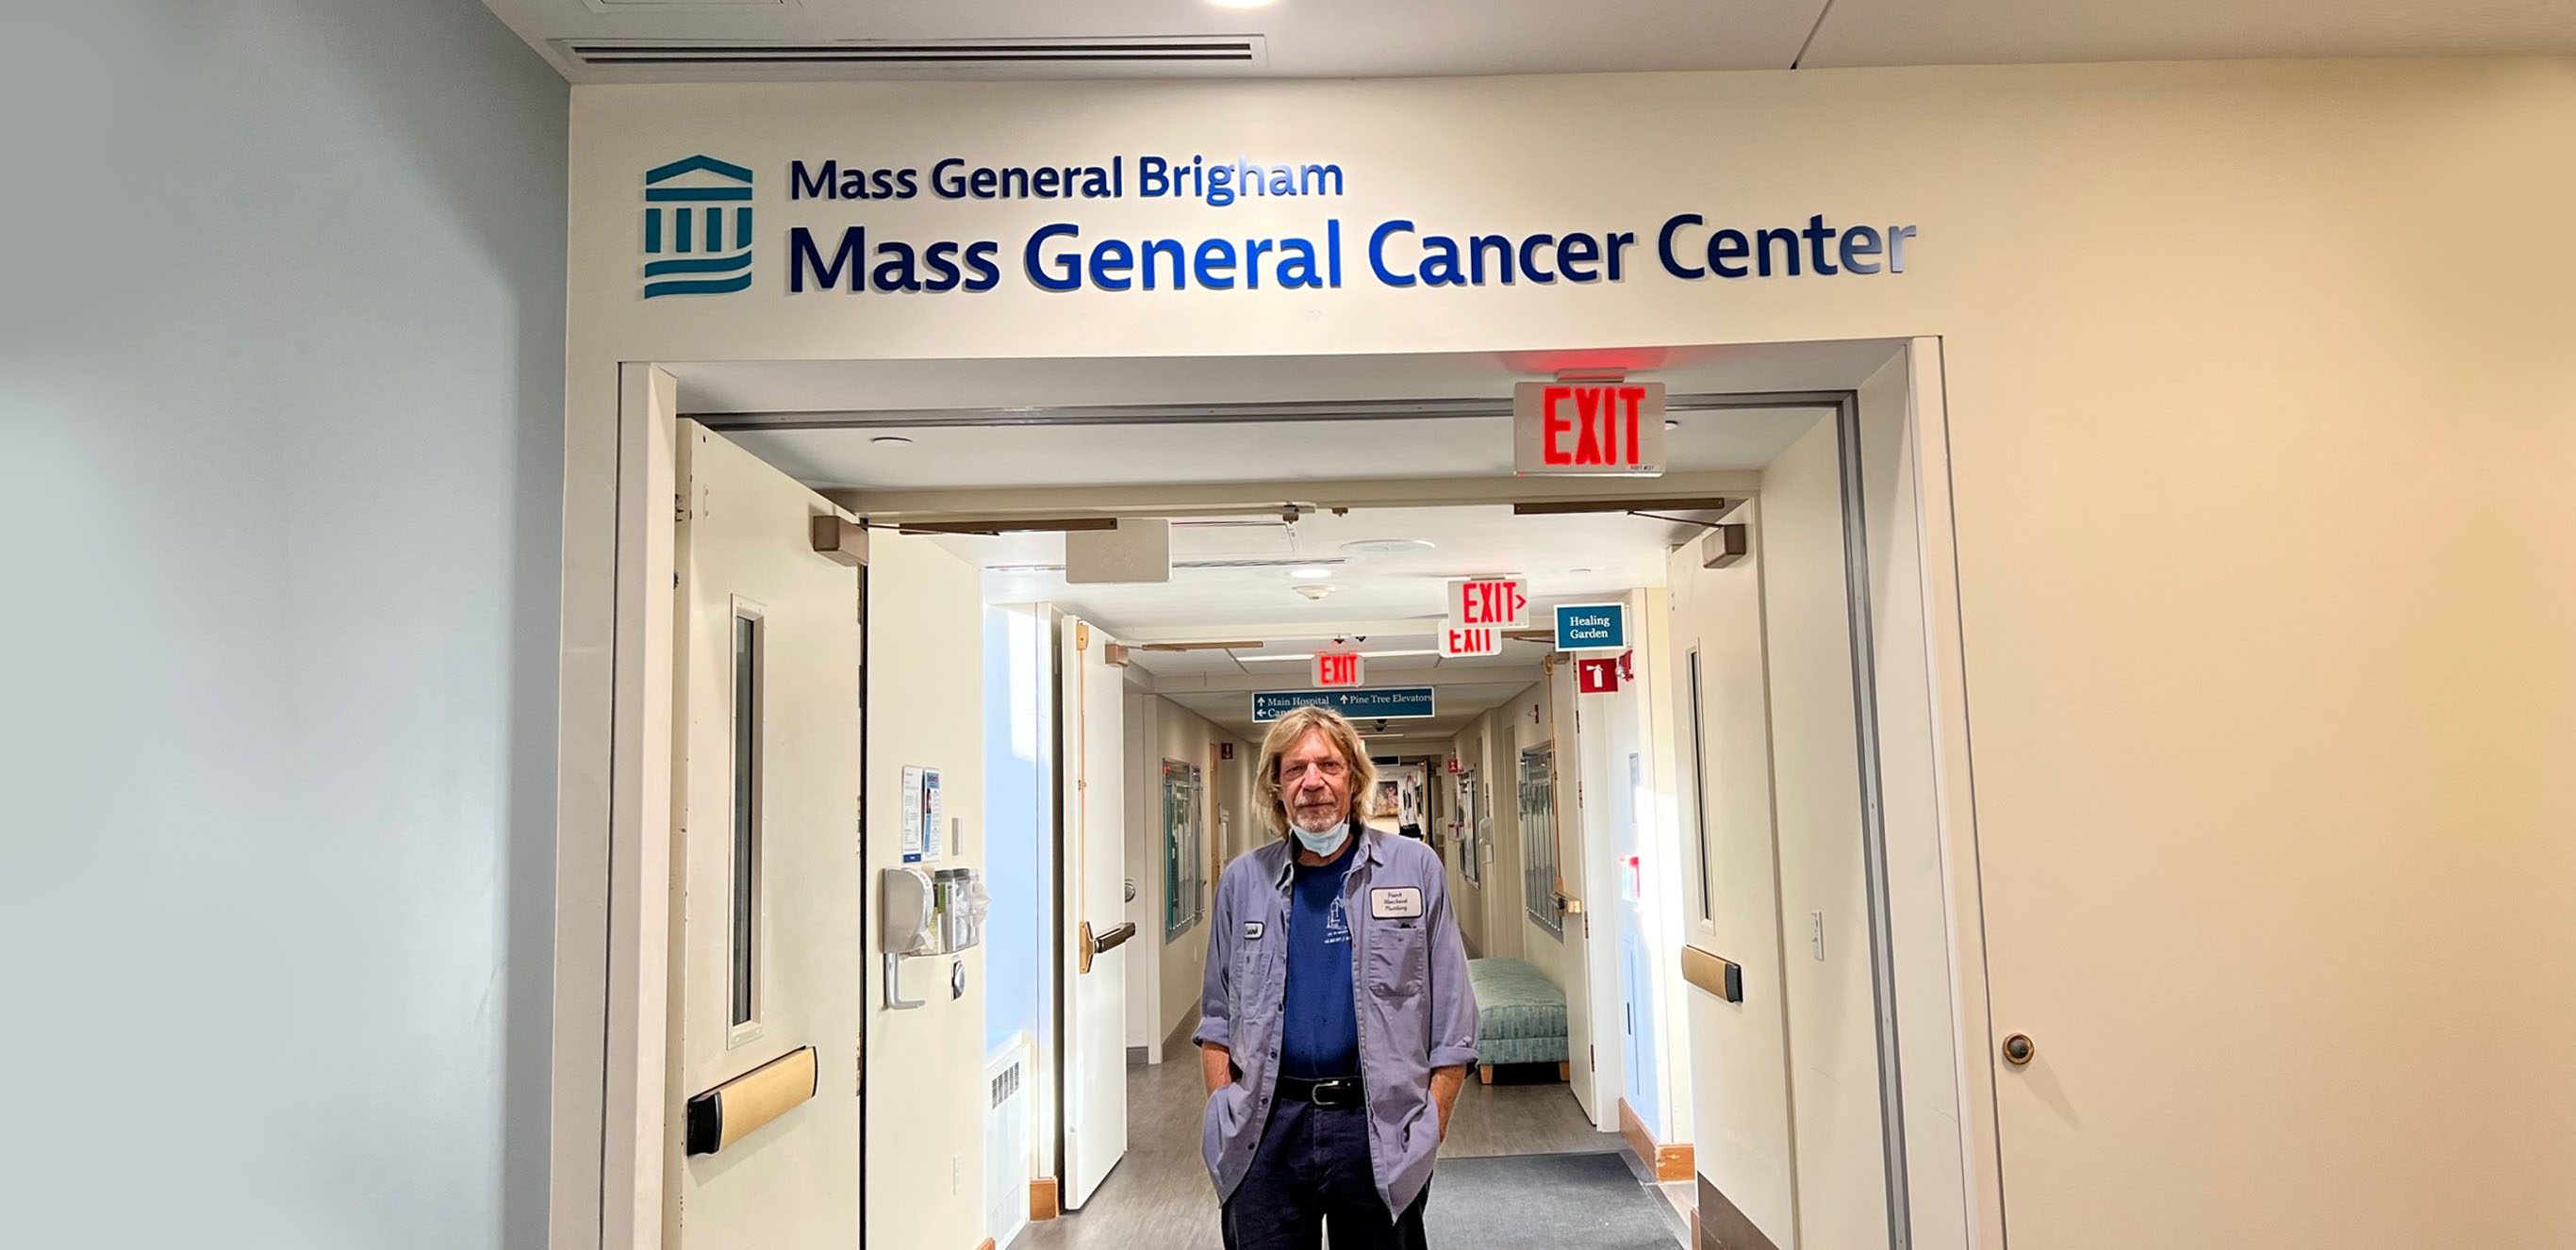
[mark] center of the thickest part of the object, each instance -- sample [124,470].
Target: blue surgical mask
[1323,842]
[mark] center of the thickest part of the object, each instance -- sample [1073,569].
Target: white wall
[926,1095]
[2255,502]
[280,382]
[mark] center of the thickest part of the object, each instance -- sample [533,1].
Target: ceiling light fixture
[1310,573]
[1241,4]
[891,440]
[1671,424]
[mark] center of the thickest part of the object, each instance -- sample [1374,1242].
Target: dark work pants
[1312,1171]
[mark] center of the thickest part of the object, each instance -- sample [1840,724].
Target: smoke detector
[1312,590]
[1386,546]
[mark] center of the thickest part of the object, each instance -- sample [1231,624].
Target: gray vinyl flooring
[1159,1198]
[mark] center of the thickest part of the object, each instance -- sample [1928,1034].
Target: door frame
[615,744]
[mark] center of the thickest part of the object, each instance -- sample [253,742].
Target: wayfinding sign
[1591,627]
[1382,703]
[1458,642]
[1502,602]
[1588,429]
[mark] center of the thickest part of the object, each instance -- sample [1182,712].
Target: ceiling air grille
[848,55]
[1290,562]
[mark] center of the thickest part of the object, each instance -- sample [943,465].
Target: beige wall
[1490,910]
[1467,900]
[926,1065]
[1166,730]
[1504,732]
[2257,439]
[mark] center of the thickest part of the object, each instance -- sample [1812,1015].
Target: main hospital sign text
[1394,252]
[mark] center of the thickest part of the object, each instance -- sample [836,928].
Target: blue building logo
[697,228]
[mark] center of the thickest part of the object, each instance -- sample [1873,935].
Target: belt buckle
[1335,1093]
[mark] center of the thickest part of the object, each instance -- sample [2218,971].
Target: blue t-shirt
[1320,1028]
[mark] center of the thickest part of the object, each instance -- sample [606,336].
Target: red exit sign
[1500,602]
[1333,670]
[1588,429]
[1458,642]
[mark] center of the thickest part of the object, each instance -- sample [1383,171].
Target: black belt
[1331,1093]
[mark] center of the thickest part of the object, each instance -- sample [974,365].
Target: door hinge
[680,506]
[1591,1058]
[861,1063]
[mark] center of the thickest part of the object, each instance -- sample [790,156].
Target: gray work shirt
[1415,1009]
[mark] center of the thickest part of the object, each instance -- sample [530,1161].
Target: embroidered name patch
[1252,930]
[1396,903]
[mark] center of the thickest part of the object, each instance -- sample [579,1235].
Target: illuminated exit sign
[1588,429]
[1336,670]
[1501,602]
[1459,642]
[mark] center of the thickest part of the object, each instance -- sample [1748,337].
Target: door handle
[1102,943]
[2019,1050]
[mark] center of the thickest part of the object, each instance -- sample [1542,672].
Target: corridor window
[1470,809]
[741,955]
[1698,713]
[1184,847]
[1538,838]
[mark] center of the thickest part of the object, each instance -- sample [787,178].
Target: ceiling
[956,456]
[1145,433]
[1368,38]
[1386,607]
[786,390]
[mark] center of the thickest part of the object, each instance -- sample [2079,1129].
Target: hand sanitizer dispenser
[906,925]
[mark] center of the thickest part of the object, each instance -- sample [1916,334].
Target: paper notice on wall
[934,824]
[911,814]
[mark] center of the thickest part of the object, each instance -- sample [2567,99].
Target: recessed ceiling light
[891,440]
[1312,591]
[1310,573]
[1386,546]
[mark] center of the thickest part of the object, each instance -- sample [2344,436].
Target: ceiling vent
[1244,563]
[843,58]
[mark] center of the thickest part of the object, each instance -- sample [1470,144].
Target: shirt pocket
[1244,983]
[1399,954]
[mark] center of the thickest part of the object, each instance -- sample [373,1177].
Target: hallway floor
[1159,1198]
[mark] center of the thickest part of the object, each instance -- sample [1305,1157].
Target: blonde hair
[1284,736]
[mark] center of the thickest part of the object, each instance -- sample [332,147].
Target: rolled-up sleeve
[1216,982]
[1453,996]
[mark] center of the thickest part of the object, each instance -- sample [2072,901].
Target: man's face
[1315,783]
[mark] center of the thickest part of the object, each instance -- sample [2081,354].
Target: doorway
[1572,823]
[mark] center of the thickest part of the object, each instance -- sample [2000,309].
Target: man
[1337,1022]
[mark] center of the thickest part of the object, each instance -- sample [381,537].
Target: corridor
[1521,1168]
